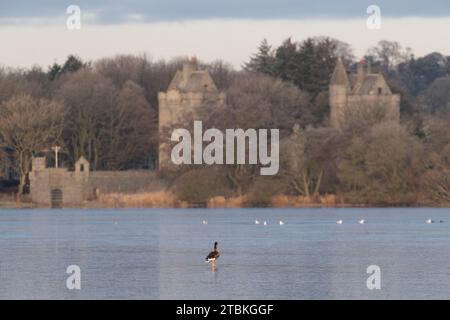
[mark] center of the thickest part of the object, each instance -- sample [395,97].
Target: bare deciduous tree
[27,126]
[89,101]
[130,136]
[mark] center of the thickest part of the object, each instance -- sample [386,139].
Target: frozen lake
[159,253]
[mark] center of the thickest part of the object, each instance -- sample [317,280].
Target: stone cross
[56,149]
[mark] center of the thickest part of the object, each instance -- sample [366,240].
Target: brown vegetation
[222,202]
[160,199]
[283,201]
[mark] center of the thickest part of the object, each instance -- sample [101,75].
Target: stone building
[189,90]
[359,93]
[60,187]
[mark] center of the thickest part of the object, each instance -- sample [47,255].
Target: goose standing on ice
[281,223]
[429,221]
[213,256]
[362,221]
[265,223]
[339,222]
[205,222]
[257,222]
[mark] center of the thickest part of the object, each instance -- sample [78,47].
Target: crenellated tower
[190,89]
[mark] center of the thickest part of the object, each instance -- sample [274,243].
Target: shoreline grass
[166,199]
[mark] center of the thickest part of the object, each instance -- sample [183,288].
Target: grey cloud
[119,11]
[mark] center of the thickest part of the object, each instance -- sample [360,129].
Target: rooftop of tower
[191,79]
[363,82]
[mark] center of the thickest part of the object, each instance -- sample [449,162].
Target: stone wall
[81,185]
[343,107]
[390,104]
[123,182]
[42,182]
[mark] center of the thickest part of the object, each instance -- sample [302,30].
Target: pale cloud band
[231,40]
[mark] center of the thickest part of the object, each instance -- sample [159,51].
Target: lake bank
[166,199]
[98,205]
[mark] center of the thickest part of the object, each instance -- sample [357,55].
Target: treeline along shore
[107,112]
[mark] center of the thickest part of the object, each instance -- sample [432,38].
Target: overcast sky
[115,11]
[35,32]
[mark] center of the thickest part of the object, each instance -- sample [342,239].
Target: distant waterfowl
[339,222]
[257,222]
[205,222]
[429,221]
[265,223]
[441,221]
[362,221]
[281,223]
[213,255]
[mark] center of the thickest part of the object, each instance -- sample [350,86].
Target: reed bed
[165,199]
[160,199]
[222,202]
[283,201]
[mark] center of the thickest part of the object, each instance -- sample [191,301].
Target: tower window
[380,90]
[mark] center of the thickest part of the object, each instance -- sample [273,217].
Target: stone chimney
[361,72]
[190,66]
[369,67]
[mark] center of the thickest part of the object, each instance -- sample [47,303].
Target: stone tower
[189,90]
[359,93]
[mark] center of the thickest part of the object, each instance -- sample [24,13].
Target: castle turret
[339,88]
[355,97]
